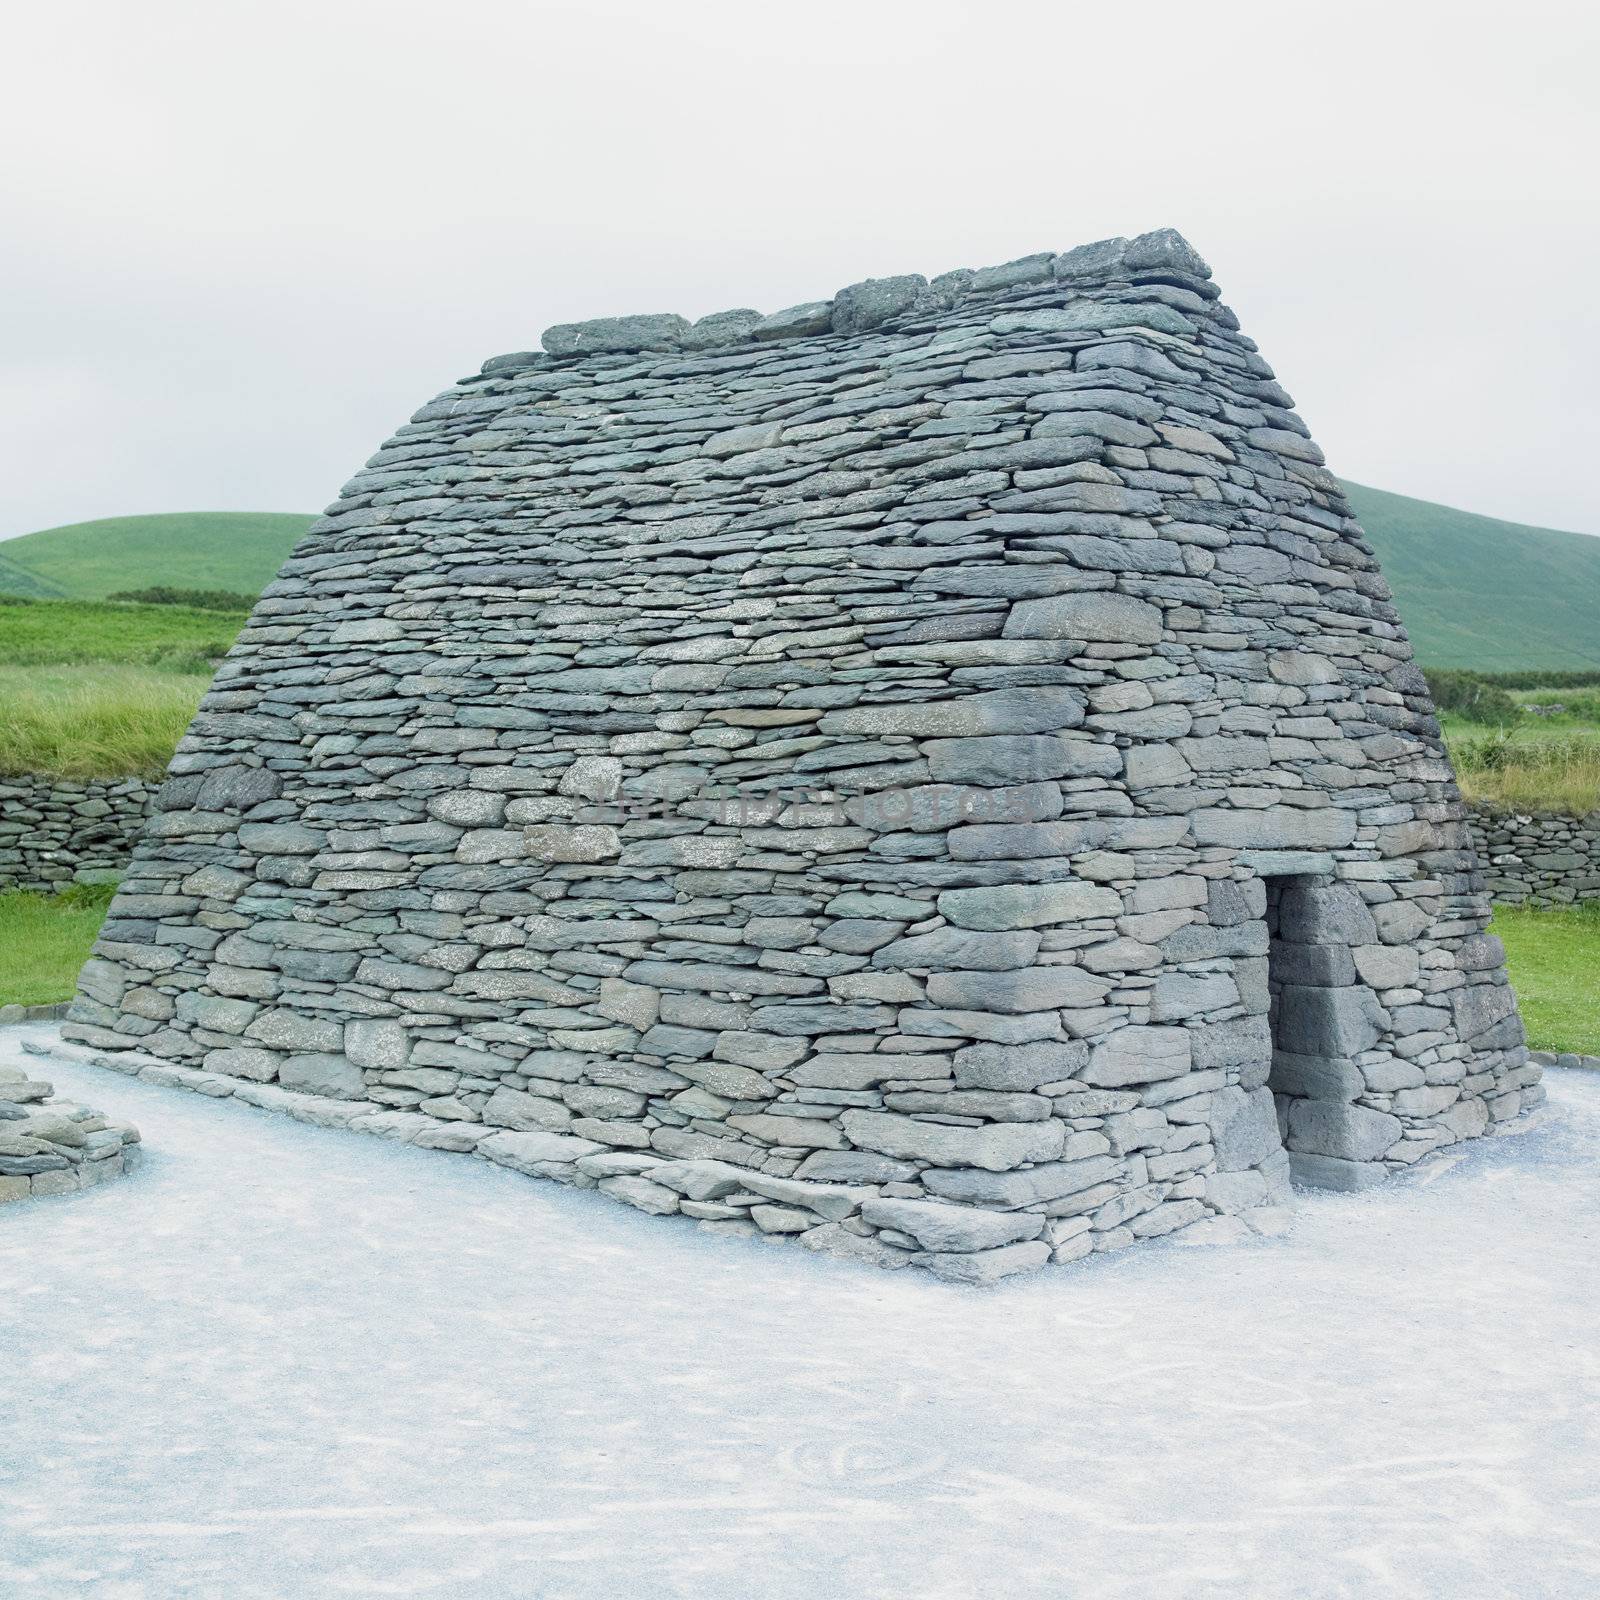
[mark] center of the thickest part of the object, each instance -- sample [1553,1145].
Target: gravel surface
[286,1363]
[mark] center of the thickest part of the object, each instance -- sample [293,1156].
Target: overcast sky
[240,242]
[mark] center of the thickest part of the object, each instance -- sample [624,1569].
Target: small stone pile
[51,1146]
[59,831]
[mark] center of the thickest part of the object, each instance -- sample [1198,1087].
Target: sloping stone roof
[840,773]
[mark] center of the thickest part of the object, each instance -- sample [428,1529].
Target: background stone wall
[1543,859]
[57,831]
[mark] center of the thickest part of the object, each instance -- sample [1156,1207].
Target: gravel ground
[286,1363]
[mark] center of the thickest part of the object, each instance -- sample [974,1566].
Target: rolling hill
[239,550]
[1474,591]
[1481,593]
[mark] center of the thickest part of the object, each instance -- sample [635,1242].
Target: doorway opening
[1323,1017]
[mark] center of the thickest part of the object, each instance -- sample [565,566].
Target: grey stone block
[1329,1022]
[988,1266]
[1009,711]
[936,1226]
[1331,914]
[875,301]
[607,335]
[995,1149]
[1097,616]
[1350,1132]
[1136,1054]
[1028,905]
[1244,1128]
[333,1076]
[1333,1172]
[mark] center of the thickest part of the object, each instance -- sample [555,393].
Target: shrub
[1513,774]
[1472,698]
[1541,680]
[196,599]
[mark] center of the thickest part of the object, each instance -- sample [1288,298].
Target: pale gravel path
[284,1363]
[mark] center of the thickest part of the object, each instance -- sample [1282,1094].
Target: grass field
[1554,957]
[89,689]
[188,550]
[45,633]
[44,940]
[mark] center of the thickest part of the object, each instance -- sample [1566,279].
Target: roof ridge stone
[1160,255]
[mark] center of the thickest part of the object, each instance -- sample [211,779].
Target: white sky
[240,242]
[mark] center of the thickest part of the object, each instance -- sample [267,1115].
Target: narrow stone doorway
[1323,1019]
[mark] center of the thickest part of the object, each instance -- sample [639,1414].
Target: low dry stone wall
[1543,859]
[58,831]
[51,1146]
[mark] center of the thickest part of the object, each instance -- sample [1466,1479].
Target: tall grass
[1513,772]
[94,722]
[90,689]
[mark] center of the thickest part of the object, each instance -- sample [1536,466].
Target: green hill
[1478,592]
[239,550]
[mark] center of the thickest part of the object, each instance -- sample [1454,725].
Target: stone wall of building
[1539,858]
[59,831]
[821,774]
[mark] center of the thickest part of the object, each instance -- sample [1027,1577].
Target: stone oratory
[935,772]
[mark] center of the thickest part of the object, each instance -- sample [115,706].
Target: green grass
[1553,957]
[1477,592]
[45,939]
[55,632]
[98,721]
[96,690]
[1559,710]
[238,550]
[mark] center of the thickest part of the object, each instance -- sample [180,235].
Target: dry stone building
[935,772]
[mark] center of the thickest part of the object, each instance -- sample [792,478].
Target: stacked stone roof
[840,773]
